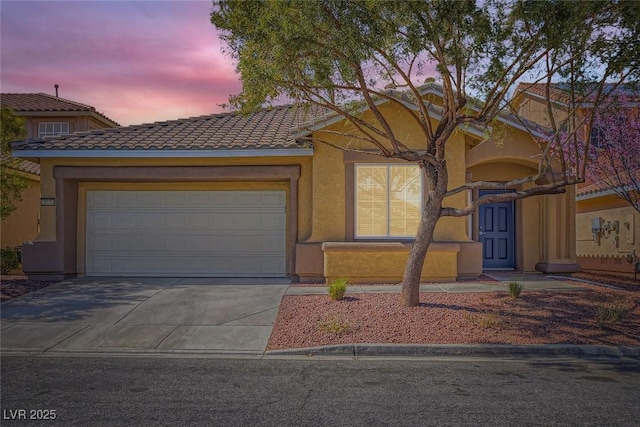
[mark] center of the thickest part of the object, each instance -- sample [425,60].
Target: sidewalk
[530,282]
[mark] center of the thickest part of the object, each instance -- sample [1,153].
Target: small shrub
[337,288]
[8,260]
[608,316]
[515,289]
[334,324]
[486,319]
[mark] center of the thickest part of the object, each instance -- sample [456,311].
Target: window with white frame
[388,200]
[52,128]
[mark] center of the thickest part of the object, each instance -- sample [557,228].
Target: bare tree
[351,58]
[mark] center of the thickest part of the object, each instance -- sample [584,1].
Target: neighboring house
[23,223]
[607,227]
[241,196]
[45,115]
[616,246]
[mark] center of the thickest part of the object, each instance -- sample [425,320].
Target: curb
[464,350]
[367,350]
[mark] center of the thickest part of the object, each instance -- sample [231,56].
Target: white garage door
[186,233]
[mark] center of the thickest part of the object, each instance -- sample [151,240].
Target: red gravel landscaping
[15,286]
[567,317]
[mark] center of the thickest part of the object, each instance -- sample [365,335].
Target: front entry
[497,234]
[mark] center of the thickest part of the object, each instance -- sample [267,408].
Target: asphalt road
[282,392]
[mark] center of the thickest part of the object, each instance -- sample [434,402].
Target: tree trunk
[410,295]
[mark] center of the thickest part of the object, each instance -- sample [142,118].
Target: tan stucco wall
[628,237]
[48,214]
[604,256]
[536,110]
[329,178]
[22,224]
[385,262]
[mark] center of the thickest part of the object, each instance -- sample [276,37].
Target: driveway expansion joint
[66,338]
[166,336]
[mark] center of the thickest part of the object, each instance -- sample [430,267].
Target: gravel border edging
[589,282]
[488,350]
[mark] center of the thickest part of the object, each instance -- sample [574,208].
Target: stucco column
[558,233]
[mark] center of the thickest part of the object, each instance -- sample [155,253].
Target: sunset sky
[136,61]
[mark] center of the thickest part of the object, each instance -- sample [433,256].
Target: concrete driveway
[144,315]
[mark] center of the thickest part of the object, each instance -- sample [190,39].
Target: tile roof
[591,188]
[622,180]
[42,102]
[23,165]
[29,167]
[266,129]
[559,91]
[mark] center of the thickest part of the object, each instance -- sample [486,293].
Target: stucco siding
[612,242]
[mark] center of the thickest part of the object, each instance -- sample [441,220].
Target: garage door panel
[224,221]
[127,199]
[175,198]
[173,220]
[100,199]
[197,198]
[267,243]
[101,221]
[189,233]
[123,264]
[248,198]
[197,221]
[272,221]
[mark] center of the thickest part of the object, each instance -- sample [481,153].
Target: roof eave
[110,154]
[601,193]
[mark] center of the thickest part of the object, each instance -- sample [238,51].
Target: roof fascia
[307,128]
[311,126]
[104,119]
[53,113]
[139,154]
[602,193]
[544,99]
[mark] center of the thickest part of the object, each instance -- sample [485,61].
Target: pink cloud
[134,61]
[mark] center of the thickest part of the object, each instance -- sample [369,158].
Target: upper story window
[598,136]
[52,128]
[388,200]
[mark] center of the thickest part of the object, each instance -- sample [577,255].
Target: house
[45,115]
[607,226]
[243,196]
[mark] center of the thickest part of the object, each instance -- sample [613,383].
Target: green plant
[485,319]
[607,316]
[334,324]
[337,288]
[8,260]
[515,289]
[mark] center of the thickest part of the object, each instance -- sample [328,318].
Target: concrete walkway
[144,315]
[530,282]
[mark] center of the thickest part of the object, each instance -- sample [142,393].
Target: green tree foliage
[13,182]
[346,55]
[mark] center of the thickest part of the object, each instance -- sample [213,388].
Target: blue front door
[497,235]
